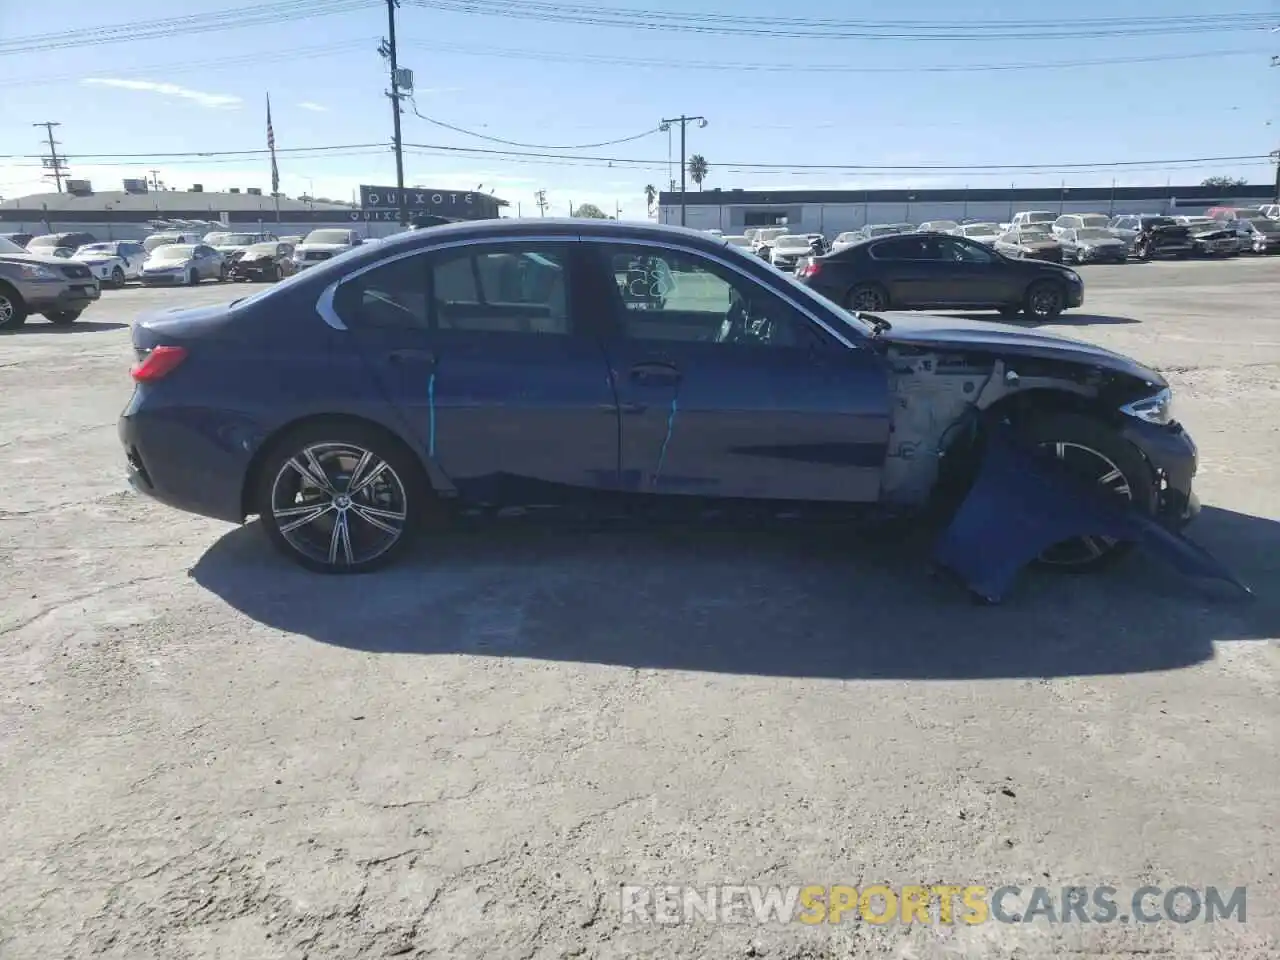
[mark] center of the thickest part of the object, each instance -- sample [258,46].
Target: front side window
[675,296]
[902,247]
[953,250]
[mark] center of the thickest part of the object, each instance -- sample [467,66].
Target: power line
[540,146]
[774,67]
[830,29]
[257,15]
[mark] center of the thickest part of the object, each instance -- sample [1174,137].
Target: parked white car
[938,226]
[112,262]
[320,245]
[1080,221]
[987,233]
[183,263]
[1026,217]
[788,249]
[844,241]
[232,245]
[170,236]
[741,241]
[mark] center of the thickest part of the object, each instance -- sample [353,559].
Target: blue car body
[521,415]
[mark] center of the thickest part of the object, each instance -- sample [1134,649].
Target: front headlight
[1155,409]
[35,271]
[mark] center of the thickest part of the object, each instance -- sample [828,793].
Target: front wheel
[340,498]
[193,278]
[1092,451]
[117,278]
[13,312]
[222,273]
[63,318]
[1045,300]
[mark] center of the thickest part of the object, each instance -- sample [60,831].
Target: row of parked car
[59,275]
[1061,238]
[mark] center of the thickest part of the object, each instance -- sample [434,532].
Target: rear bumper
[183,459]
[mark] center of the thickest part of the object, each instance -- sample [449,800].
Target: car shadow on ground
[782,601]
[1068,319]
[38,325]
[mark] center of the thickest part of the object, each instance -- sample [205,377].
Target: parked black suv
[1156,236]
[938,271]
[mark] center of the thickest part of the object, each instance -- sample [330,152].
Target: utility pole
[684,122]
[541,197]
[53,163]
[388,50]
[617,210]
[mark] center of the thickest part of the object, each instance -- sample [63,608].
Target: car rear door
[900,264]
[487,353]
[727,389]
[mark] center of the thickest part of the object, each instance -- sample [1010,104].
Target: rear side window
[497,290]
[904,247]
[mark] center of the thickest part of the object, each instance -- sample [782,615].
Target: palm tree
[698,169]
[650,195]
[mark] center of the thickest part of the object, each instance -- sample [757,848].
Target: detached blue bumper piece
[1024,502]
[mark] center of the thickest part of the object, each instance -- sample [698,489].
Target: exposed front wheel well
[338,421]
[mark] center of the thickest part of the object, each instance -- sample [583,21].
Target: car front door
[962,273]
[488,355]
[902,266]
[728,389]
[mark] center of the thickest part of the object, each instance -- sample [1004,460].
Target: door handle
[412,356]
[655,374]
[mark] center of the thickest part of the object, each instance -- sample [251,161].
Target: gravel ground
[207,753]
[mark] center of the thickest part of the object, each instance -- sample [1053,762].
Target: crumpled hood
[961,333]
[33,258]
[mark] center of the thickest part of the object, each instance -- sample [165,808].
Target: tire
[117,278]
[13,312]
[222,273]
[1095,451]
[193,278]
[300,516]
[868,297]
[63,318]
[1045,300]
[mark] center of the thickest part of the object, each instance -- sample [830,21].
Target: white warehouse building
[830,212]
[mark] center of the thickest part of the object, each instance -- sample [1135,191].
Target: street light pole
[684,122]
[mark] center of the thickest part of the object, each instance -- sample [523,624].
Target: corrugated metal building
[830,212]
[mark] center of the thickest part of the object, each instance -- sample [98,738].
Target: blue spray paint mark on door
[431,416]
[662,454]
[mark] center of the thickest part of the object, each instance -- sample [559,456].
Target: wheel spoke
[358,469]
[305,515]
[309,468]
[369,478]
[375,517]
[1115,474]
[1060,451]
[1094,548]
[340,539]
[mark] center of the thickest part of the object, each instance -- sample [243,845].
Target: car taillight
[157,363]
[811,269]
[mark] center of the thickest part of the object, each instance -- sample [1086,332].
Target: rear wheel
[222,273]
[867,297]
[340,498]
[193,278]
[1092,451]
[13,312]
[117,278]
[63,318]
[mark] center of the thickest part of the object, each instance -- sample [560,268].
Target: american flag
[271,145]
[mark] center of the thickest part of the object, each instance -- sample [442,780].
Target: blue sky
[573,83]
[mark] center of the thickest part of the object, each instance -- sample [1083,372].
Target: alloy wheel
[1086,463]
[6,310]
[1045,302]
[867,299]
[339,504]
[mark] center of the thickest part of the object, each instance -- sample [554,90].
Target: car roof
[554,227]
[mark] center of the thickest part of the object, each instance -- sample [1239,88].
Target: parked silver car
[187,263]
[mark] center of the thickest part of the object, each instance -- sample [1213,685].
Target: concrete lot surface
[206,753]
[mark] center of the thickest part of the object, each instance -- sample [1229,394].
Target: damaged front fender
[1022,502]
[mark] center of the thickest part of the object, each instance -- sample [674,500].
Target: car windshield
[231,239]
[884,230]
[738,241]
[1093,233]
[8,246]
[174,251]
[268,248]
[43,242]
[1038,229]
[791,243]
[97,248]
[981,230]
[1266,226]
[1038,216]
[943,225]
[328,236]
[1159,222]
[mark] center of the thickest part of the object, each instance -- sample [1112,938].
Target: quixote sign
[443,203]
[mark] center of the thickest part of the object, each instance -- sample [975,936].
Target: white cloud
[313,107]
[214,101]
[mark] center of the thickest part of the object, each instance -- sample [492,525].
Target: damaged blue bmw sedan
[520,362]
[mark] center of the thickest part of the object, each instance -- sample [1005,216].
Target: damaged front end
[988,445]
